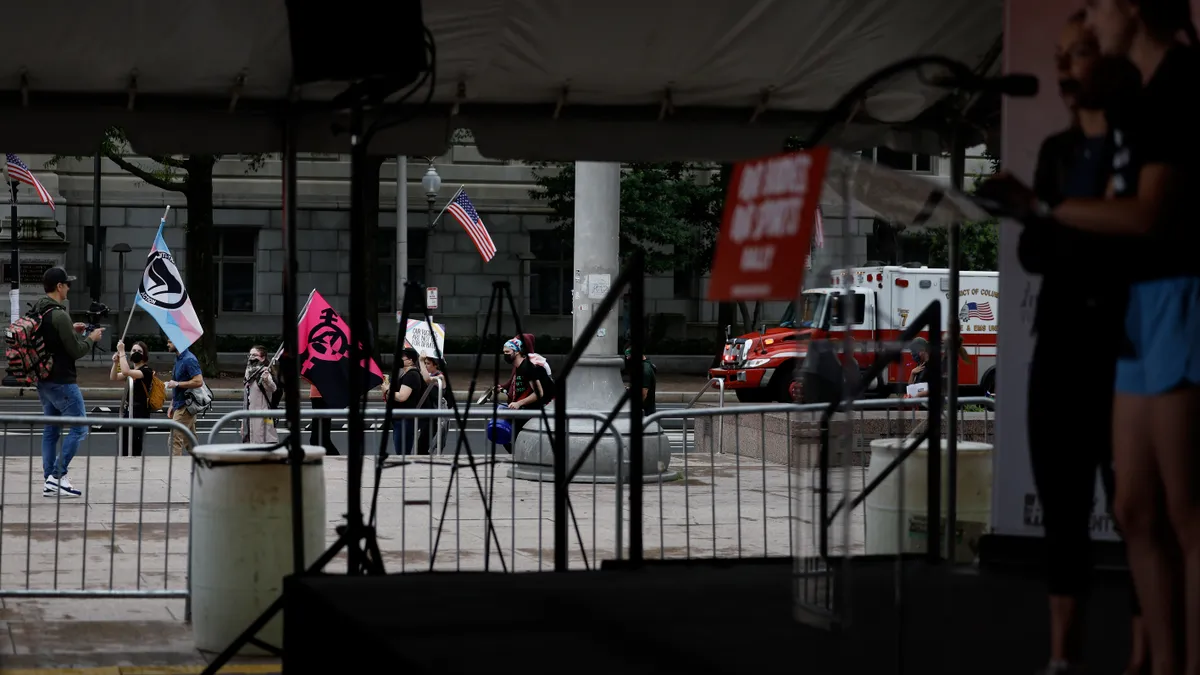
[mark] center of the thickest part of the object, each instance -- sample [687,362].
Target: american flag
[19,172]
[818,238]
[464,212]
[980,310]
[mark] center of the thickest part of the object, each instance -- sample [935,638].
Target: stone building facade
[532,255]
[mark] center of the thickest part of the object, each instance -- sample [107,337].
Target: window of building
[234,253]
[550,279]
[901,161]
[385,247]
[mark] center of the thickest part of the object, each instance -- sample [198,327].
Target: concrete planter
[773,434]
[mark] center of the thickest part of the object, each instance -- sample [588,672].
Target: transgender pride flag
[164,297]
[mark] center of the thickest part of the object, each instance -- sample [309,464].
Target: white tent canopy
[665,79]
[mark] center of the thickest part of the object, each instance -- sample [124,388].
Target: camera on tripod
[95,312]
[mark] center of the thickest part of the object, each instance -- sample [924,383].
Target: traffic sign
[431,297]
[766,233]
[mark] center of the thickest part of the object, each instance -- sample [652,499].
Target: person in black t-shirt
[531,386]
[406,392]
[133,368]
[1156,409]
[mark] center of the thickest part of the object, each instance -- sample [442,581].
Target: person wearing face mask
[531,385]
[431,373]
[406,392]
[649,381]
[133,368]
[258,390]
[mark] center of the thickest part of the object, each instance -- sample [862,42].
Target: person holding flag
[163,295]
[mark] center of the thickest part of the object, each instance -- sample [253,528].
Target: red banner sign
[767,230]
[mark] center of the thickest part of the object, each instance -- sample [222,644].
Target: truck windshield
[812,310]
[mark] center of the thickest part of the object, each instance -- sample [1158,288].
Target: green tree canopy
[670,211]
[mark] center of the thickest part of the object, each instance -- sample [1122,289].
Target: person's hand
[115,357]
[94,336]
[1004,195]
[79,327]
[121,347]
[171,384]
[170,412]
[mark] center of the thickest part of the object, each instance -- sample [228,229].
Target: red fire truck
[878,305]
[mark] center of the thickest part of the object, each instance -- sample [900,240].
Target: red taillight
[870,277]
[902,283]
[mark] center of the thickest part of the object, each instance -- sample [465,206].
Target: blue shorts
[1162,325]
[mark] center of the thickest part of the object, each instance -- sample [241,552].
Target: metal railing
[124,535]
[719,383]
[738,482]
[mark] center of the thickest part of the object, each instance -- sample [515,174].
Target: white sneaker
[59,487]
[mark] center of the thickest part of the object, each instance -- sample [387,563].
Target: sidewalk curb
[112,393]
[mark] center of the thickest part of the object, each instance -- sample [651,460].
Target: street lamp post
[432,183]
[125,439]
[120,249]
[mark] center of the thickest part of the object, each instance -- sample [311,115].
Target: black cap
[55,276]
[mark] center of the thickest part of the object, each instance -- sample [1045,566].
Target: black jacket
[1081,283]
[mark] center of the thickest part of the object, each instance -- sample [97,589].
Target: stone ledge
[772,435]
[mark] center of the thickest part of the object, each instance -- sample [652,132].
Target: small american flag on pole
[464,212]
[19,172]
[818,238]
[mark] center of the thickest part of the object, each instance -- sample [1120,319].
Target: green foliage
[670,211]
[979,246]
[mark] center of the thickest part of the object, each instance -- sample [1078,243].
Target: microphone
[1017,84]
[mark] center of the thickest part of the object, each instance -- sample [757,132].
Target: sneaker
[59,487]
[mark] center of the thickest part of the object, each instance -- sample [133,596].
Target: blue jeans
[60,400]
[402,436]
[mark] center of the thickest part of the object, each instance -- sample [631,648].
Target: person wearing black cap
[59,393]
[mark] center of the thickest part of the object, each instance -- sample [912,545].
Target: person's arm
[1033,241]
[647,379]
[267,382]
[1137,215]
[76,345]
[135,373]
[195,381]
[114,373]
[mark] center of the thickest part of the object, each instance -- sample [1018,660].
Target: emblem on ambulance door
[903,317]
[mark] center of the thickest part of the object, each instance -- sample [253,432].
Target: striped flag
[818,238]
[19,172]
[464,212]
[163,295]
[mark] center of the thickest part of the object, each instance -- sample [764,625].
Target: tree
[671,212]
[191,176]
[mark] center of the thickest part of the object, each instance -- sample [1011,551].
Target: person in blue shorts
[1155,143]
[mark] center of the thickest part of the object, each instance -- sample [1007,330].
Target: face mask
[137,357]
[508,358]
[252,359]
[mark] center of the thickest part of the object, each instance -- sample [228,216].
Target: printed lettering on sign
[767,228]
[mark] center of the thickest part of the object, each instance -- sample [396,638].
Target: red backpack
[28,358]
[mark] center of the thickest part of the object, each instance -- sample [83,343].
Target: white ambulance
[885,299]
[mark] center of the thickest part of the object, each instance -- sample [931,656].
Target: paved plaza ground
[725,506]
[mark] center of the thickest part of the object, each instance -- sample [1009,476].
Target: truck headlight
[757,363]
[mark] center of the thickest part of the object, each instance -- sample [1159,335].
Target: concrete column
[595,383]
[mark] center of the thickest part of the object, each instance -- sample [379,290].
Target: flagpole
[439,215]
[128,320]
[303,311]
[14,293]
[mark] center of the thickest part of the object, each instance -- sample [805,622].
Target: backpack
[156,393]
[29,359]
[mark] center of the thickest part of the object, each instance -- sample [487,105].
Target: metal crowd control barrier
[125,535]
[748,487]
